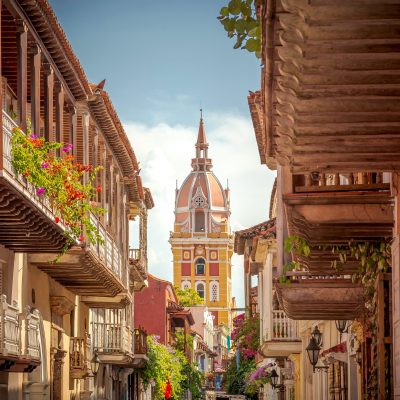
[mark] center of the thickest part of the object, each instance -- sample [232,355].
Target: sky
[163,61]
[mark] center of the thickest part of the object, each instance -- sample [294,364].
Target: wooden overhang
[81,271]
[330,85]
[321,299]
[21,364]
[327,219]
[137,274]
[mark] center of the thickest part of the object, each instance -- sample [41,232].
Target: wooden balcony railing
[13,326]
[10,338]
[140,341]
[357,181]
[80,356]
[112,338]
[284,328]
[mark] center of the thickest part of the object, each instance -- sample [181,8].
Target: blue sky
[163,60]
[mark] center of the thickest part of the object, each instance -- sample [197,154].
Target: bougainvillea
[246,335]
[61,180]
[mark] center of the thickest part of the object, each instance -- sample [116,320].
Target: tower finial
[201,113]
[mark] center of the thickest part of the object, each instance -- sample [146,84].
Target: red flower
[168,389]
[81,238]
[57,220]
[98,189]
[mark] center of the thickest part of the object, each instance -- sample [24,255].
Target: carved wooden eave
[321,299]
[121,300]
[325,218]
[330,85]
[80,271]
[137,275]
[25,223]
[61,305]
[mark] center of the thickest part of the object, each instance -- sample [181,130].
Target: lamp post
[313,354]
[341,326]
[94,365]
[317,335]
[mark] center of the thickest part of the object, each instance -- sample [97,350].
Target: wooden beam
[22,90]
[49,102]
[85,127]
[35,64]
[74,130]
[59,112]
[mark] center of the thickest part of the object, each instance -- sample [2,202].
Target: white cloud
[165,152]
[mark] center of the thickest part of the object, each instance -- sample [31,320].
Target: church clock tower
[201,241]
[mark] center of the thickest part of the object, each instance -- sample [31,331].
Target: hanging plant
[60,179]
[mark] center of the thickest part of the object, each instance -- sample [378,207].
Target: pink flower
[40,191]
[45,165]
[67,148]
[32,136]
[81,238]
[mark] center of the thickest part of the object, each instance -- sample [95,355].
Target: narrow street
[199,200]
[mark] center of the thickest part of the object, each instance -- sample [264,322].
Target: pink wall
[150,308]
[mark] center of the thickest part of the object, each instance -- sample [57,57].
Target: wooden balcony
[140,347]
[334,209]
[330,85]
[137,270]
[79,357]
[19,338]
[321,297]
[282,337]
[26,220]
[113,343]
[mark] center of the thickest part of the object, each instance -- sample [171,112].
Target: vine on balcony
[60,179]
[239,19]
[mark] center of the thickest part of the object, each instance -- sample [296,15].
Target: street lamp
[341,326]
[317,335]
[274,377]
[313,354]
[94,365]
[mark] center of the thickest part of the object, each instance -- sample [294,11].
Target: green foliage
[298,244]
[188,297]
[163,363]
[61,180]
[236,376]
[180,338]
[239,19]
[194,380]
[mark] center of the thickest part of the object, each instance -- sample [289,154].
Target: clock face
[199,202]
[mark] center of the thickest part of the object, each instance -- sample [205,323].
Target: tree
[188,297]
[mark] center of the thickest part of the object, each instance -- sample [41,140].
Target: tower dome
[202,204]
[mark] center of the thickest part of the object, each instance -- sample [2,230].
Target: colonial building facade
[201,242]
[66,327]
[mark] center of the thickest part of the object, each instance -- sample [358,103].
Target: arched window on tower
[200,289]
[199,221]
[214,291]
[185,285]
[200,266]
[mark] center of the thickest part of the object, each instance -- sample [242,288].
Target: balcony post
[74,130]
[85,127]
[49,102]
[59,112]
[1,102]
[22,90]
[35,64]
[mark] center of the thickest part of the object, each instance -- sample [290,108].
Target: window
[200,289]
[200,268]
[185,285]
[199,221]
[199,202]
[214,291]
